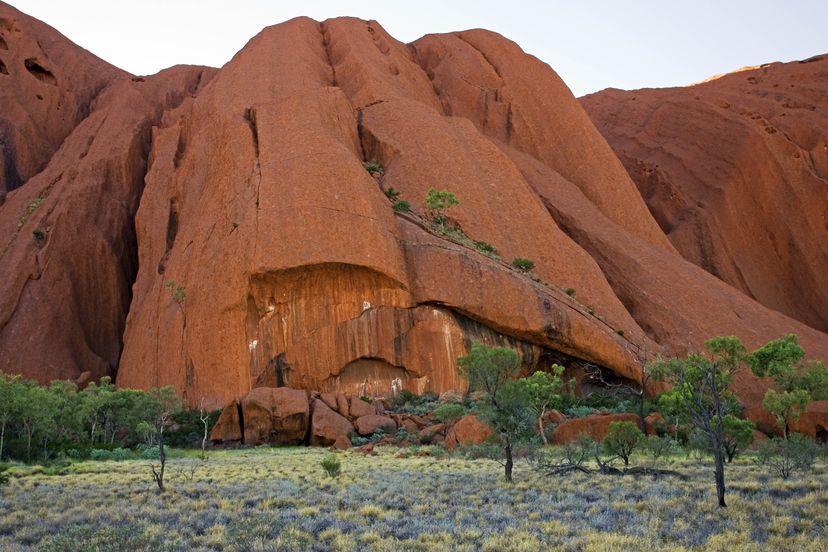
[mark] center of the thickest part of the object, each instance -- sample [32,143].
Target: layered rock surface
[735,171]
[263,253]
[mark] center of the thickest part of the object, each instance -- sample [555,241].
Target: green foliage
[332,465]
[524,265]
[449,412]
[784,457]
[506,408]
[411,403]
[4,477]
[487,249]
[622,439]
[570,291]
[440,200]
[658,447]
[738,434]
[620,332]
[39,234]
[799,382]
[118,454]
[392,194]
[178,292]
[31,208]
[374,167]
[401,206]
[44,422]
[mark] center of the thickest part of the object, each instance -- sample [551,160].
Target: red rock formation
[596,426]
[275,415]
[367,425]
[328,427]
[734,169]
[47,87]
[267,256]
[468,430]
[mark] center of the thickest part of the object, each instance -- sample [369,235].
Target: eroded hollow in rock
[39,72]
[3,70]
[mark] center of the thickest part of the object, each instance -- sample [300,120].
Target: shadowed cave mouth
[39,72]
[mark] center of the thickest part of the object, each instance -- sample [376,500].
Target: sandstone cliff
[734,169]
[217,230]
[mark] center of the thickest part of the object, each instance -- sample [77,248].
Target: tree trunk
[162,458]
[641,421]
[720,480]
[540,426]
[2,438]
[509,462]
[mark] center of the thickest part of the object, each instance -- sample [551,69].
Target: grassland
[280,499]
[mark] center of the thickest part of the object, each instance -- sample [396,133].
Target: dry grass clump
[281,499]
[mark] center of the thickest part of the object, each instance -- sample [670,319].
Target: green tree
[622,439]
[10,395]
[506,407]
[164,404]
[438,201]
[738,434]
[799,382]
[701,396]
[543,389]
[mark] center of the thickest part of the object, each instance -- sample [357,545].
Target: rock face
[278,416]
[596,426]
[734,170]
[221,226]
[468,430]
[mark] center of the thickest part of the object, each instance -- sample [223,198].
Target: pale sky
[591,44]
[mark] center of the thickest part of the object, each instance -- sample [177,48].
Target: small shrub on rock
[524,265]
[401,206]
[374,167]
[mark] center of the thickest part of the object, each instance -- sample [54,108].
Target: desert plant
[449,412]
[570,291]
[784,456]
[374,167]
[332,465]
[438,201]
[524,265]
[39,235]
[392,194]
[401,206]
[178,292]
[622,439]
[737,435]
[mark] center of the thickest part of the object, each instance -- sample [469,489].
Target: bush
[117,454]
[487,249]
[358,440]
[391,193]
[332,465]
[524,265]
[150,453]
[622,439]
[4,477]
[374,167]
[783,457]
[570,291]
[39,234]
[449,412]
[401,206]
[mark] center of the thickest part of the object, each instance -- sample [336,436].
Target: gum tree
[701,396]
[506,407]
[799,382]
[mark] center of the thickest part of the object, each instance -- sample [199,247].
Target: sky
[591,44]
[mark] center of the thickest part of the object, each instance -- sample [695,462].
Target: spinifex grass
[281,499]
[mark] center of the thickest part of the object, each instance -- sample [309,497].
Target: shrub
[150,453]
[100,455]
[332,465]
[524,265]
[449,412]
[487,249]
[358,440]
[39,234]
[620,332]
[658,447]
[374,167]
[570,291]
[622,439]
[4,477]
[783,457]
[401,206]
[391,193]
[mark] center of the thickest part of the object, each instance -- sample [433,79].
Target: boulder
[813,422]
[553,417]
[328,427]
[367,425]
[653,421]
[329,399]
[228,426]
[360,408]
[596,426]
[275,416]
[342,405]
[468,430]
[427,433]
